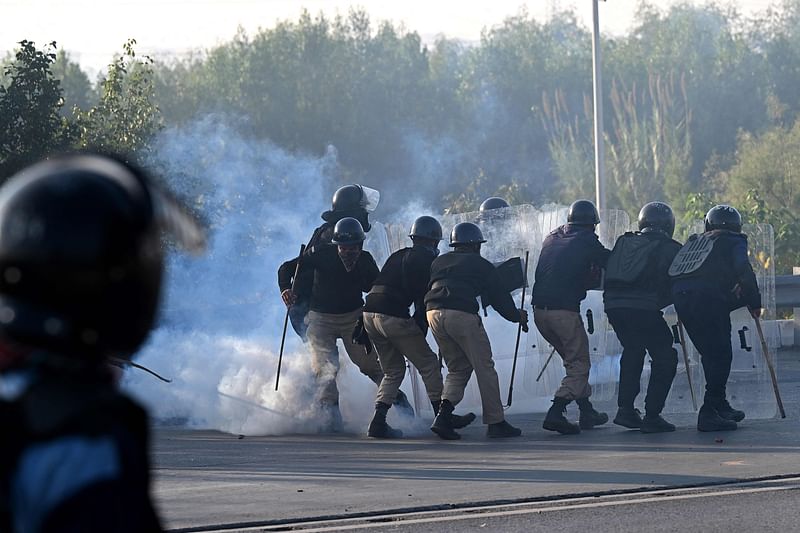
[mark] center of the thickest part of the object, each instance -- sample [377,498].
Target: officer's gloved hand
[523,320]
[360,335]
[755,312]
[289,297]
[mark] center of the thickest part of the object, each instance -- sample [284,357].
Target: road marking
[512,509]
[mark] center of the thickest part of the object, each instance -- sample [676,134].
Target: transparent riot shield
[377,243]
[542,378]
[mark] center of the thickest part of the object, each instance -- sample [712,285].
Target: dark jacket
[335,290]
[76,460]
[569,255]
[458,278]
[652,290]
[726,266]
[403,280]
[322,235]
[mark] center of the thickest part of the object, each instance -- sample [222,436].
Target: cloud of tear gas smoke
[221,324]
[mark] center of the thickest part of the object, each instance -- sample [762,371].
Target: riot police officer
[355,201]
[81,261]
[404,281]
[458,278]
[342,272]
[571,257]
[636,289]
[712,276]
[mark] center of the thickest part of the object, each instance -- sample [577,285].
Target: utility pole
[599,149]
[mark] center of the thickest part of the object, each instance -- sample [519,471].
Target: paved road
[206,478]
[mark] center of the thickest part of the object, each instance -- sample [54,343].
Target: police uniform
[634,311]
[458,278]
[704,299]
[567,257]
[570,259]
[394,333]
[335,308]
[305,280]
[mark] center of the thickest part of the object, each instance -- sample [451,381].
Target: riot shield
[604,372]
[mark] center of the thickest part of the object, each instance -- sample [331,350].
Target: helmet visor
[370,199]
[180,226]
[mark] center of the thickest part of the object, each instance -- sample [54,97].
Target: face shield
[173,219]
[370,199]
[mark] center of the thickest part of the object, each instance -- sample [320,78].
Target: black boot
[628,417]
[556,421]
[709,420]
[727,412]
[502,430]
[378,428]
[590,417]
[443,423]
[402,404]
[459,421]
[655,424]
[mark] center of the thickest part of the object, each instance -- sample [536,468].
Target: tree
[75,85]
[126,117]
[31,126]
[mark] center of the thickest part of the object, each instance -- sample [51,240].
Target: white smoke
[222,317]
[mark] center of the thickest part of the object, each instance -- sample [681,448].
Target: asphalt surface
[212,481]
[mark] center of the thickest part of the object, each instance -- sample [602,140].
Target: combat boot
[379,428]
[556,421]
[727,412]
[502,430]
[590,417]
[709,420]
[402,404]
[459,421]
[628,417]
[655,424]
[443,423]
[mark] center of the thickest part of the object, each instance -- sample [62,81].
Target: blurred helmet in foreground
[81,257]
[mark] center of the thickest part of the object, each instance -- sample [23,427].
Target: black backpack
[629,258]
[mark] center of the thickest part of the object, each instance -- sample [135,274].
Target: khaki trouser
[323,331]
[395,337]
[564,330]
[465,347]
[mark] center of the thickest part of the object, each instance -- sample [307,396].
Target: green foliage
[30,124]
[126,116]
[649,148]
[701,107]
[764,183]
[75,85]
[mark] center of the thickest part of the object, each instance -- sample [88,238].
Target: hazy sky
[93,30]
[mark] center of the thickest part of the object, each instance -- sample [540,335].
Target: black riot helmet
[493,203]
[657,216]
[426,227]
[466,233]
[723,217]
[353,198]
[348,231]
[583,212]
[81,257]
